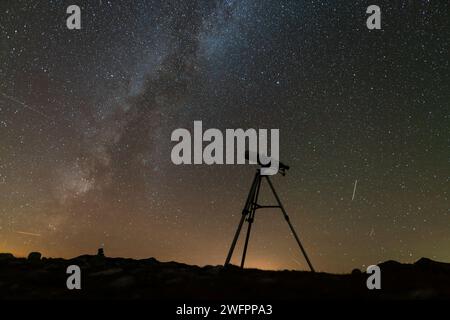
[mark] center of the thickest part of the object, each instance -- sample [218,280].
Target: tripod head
[251,156]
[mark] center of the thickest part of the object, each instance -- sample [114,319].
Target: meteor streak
[26,106]
[29,233]
[354,189]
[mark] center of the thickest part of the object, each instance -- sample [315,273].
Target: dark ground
[118,278]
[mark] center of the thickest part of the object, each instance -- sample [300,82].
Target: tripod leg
[286,217]
[236,236]
[250,220]
[245,212]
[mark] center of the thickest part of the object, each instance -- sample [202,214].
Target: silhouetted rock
[4,257]
[100,252]
[356,272]
[34,257]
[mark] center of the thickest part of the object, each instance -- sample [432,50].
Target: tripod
[248,214]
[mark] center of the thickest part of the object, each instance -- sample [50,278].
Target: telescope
[252,204]
[251,156]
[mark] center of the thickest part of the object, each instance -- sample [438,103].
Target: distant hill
[119,278]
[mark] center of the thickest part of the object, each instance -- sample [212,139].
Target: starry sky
[86,117]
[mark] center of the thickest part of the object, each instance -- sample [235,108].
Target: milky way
[86,117]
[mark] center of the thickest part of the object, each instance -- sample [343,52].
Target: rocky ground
[118,278]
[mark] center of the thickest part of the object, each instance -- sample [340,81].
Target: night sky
[86,117]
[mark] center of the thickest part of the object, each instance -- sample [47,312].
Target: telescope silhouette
[252,204]
[250,155]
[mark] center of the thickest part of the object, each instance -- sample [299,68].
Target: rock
[356,272]
[34,257]
[6,257]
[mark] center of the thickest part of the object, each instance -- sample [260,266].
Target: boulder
[356,272]
[100,252]
[34,257]
[6,257]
